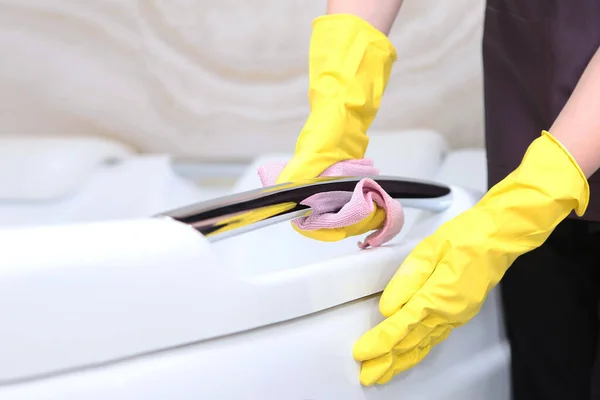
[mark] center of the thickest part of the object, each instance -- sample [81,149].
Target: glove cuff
[569,182]
[350,60]
[350,64]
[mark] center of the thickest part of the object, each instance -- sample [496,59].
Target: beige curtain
[218,79]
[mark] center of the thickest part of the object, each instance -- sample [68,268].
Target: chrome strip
[246,211]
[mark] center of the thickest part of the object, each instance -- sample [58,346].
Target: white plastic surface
[138,186]
[465,168]
[148,309]
[415,153]
[308,358]
[128,287]
[41,169]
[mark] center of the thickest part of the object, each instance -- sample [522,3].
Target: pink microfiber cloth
[339,209]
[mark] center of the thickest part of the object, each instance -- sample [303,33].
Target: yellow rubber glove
[371,222]
[350,63]
[444,281]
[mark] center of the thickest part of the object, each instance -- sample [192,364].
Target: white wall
[220,78]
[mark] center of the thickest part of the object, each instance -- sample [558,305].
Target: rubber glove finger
[372,370]
[409,360]
[374,221]
[409,278]
[323,235]
[428,327]
[385,366]
[387,334]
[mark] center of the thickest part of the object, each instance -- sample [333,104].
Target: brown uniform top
[534,52]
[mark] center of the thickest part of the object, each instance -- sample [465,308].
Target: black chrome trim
[246,211]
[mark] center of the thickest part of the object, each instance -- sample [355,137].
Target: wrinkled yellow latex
[444,281]
[350,63]
[373,221]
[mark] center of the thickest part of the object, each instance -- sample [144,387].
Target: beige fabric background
[216,79]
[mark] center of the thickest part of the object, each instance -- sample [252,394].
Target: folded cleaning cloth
[338,209]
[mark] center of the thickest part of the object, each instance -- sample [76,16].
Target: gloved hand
[349,66]
[444,281]
[375,220]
